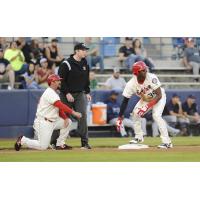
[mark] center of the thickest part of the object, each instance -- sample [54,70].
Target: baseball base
[133,146]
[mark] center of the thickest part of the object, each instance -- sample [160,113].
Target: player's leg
[155,131]
[137,123]
[162,126]
[81,106]
[44,129]
[64,132]
[184,123]
[144,126]
[170,129]
[171,120]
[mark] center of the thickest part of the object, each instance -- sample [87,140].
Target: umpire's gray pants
[79,105]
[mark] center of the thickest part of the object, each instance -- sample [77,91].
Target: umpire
[75,91]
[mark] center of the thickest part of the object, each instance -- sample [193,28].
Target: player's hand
[69,97]
[89,98]
[142,111]
[77,114]
[119,123]
[146,98]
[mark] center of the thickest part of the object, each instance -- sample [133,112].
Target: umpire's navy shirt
[75,76]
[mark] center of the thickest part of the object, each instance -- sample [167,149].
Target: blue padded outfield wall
[18,107]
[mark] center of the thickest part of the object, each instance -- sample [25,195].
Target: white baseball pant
[44,130]
[157,116]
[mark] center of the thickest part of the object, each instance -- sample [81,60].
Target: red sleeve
[62,114]
[63,107]
[152,103]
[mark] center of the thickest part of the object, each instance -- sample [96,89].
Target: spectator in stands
[113,108]
[16,58]
[36,52]
[138,48]
[139,54]
[191,57]
[115,82]
[6,72]
[43,73]
[93,81]
[128,56]
[92,54]
[190,110]
[3,43]
[179,46]
[25,48]
[31,77]
[52,52]
[125,51]
[173,114]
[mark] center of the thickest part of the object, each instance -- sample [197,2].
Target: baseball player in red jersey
[50,116]
[152,96]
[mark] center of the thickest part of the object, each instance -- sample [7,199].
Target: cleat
[165,146]
[63,147]
[136,141]
[52,146]
[18,143]
[86,146]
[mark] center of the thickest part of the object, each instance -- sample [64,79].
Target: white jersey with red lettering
[47,120]
[45,108]
[147,89]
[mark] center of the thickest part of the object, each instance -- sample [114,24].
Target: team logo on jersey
[154,80]
[143,90]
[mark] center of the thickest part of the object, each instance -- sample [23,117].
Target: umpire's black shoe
[86,146]
[18,143]
[63,147]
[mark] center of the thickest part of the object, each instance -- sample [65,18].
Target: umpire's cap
[52,78]
[80,46]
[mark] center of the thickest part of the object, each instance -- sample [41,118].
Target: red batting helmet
[53,77]
[138,66]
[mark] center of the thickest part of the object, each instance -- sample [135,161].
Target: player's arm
[158,94]
[66,109]
[63,72]
[123,107]
[87,86]
[151,103]
[121,113]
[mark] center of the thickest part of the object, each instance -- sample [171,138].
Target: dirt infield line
[112,149]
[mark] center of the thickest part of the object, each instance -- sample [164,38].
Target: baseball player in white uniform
[50,116]
[152,96]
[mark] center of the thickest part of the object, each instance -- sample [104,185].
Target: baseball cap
[42,60]
[114,92]
[80,46]
[116,69]
[175,95]
[191,96]
[52,78]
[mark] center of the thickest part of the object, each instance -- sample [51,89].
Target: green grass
[105,150]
